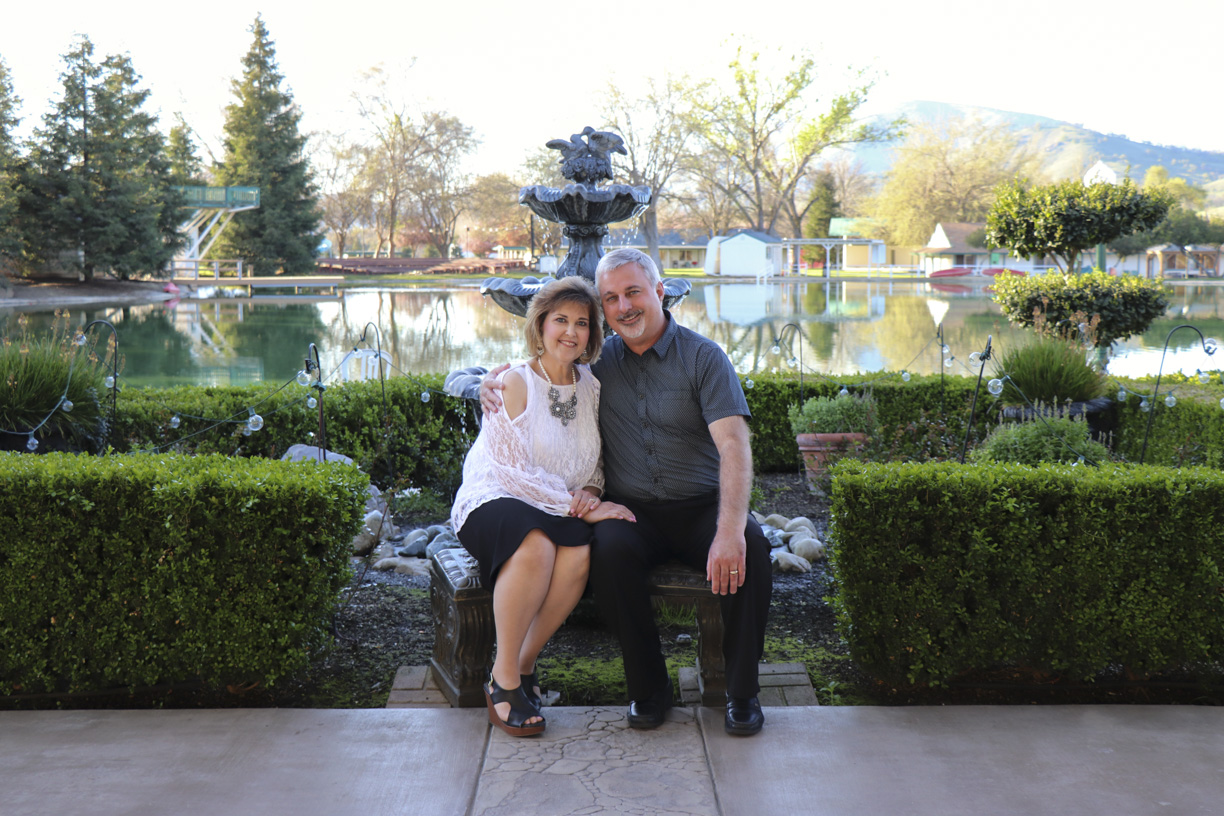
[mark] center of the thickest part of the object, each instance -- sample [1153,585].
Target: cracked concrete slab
[589,761]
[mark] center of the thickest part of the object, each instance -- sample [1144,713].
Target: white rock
[789,562]
[364,542]
[310,453]
[795,535]
[776,520]
[759,518]
[800,522]
[808,548]
[412,566]
[387,563]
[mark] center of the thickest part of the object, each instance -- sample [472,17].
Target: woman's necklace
[564,411]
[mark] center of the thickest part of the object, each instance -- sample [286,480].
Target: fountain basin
[585,203]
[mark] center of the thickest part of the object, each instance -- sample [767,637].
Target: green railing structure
[230,198]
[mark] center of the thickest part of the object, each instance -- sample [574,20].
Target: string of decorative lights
[995,387]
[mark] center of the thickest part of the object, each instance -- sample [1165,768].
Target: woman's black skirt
[494,530]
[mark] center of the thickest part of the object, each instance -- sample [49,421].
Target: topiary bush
[1126,304]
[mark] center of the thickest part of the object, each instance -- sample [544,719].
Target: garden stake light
[973,406]
[313,365]
[1210,344]
[382,379]
[112,381]
[782,338]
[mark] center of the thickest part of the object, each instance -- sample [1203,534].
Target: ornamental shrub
[50,386]
[1125,304]
[1043,439]
[1047,369]
[844,413]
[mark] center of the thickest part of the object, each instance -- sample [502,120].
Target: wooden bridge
[192,273]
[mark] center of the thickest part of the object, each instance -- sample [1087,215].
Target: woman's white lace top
[534,457]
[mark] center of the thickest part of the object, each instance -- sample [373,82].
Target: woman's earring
[539,349]
[584,356]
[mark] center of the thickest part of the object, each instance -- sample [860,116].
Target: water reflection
[846,328]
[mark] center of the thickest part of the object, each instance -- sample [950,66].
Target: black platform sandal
[529,683]
[521,710]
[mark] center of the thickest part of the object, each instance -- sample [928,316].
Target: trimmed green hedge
[920,419]
[144,569]
[1189,433]
[946,568]
[423,443]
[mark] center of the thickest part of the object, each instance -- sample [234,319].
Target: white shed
[744,253]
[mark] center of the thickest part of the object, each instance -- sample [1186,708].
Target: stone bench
[464,635]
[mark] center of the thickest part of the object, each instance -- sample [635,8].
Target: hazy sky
[524,73]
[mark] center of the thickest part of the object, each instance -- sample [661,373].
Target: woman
[531,488]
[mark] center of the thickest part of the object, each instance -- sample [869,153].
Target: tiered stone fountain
[585,209]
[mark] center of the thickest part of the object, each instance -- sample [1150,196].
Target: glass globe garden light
[1203,378]
[844,392]
[109,382]
[946,349]
[975,359]
[303,377]
[1143,406]
[1210,345]
[31,444]
[995,387]
[749,384]
[905,376]
[175,421]
[948,362]
[424,396]
[776,349]
[66,406]
[255,423]
[79,339]
[1122,395]
[312,403]
[1170,400]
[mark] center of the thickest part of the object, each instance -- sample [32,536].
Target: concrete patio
[810,760]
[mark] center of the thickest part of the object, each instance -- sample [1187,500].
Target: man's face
[632,307]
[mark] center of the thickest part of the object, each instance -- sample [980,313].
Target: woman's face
[566,330]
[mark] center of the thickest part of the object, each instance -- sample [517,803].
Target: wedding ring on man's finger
[735,572]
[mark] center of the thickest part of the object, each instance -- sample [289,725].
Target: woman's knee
[536,551]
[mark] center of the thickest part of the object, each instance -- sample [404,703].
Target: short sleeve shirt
[655,410]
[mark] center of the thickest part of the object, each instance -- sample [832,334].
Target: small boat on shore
[951,272]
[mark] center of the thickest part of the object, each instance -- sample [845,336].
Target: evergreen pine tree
[99,180]
[264,149]
[10,239]
[185,166]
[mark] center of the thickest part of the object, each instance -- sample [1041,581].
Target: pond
[844,329]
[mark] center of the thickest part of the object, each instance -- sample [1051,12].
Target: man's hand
[727,562]
[490,390]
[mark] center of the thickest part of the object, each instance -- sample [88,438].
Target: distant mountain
[1069,149]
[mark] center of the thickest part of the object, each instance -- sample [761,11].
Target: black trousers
[625,552]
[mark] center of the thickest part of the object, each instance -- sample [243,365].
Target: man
[673,417]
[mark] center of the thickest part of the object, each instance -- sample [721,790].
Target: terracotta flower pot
[819,448]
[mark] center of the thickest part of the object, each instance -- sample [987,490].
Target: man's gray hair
[628,255]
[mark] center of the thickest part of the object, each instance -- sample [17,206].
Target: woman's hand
[609,510]
[584,501]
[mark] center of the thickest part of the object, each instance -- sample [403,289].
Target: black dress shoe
[744,716]
[650,713]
